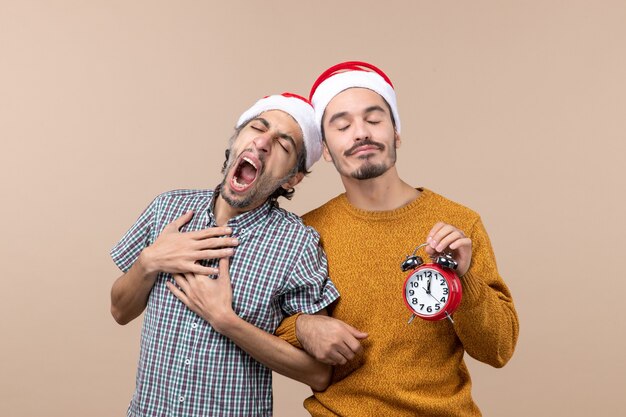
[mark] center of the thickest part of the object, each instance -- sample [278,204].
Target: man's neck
[383,193]
[223,211]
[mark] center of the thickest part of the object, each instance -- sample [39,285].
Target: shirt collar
[243,221]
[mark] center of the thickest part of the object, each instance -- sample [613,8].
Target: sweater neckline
[385,214]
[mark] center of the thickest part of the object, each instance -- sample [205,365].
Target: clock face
[426,292]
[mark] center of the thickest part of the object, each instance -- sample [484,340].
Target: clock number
[429,309]
[429,274]
[414,301]
[415,284]
[437,307]
[445,291]
[421,306]
[411,292]
[443,299]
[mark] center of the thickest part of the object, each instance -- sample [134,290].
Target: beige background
[515,109]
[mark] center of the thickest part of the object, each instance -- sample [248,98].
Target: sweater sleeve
[287,330]
[486,321]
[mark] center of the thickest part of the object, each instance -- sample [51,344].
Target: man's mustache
[364,142]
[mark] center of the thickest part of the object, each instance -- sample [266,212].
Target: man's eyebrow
[337,116]
[374,108]
[262,120]
[370,109]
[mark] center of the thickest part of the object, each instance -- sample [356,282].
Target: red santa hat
[351,74]
[301,110]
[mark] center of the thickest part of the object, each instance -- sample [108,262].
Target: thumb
[179,222]
[357,333]
[223,274]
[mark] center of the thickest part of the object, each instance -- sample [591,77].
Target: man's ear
[326,154]
[397,139]
[293,181]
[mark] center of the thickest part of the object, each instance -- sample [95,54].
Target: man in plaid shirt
[217,270]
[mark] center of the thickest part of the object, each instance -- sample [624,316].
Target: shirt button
[181,399]
[194,325]
[187,361]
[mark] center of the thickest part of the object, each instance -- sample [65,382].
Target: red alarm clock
[431,291]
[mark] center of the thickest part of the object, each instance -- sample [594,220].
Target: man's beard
[370,170]
[263,188]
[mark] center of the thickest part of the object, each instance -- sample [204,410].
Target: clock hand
[428,286]
[428,292]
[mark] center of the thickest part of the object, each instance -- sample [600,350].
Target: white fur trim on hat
[339,82]
[301,111]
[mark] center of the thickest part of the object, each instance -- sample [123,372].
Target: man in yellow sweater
[384,366]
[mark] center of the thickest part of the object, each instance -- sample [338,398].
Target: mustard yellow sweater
[407,369]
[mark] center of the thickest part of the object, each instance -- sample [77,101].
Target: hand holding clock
[445,237]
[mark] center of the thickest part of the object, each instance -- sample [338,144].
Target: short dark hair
[280,191]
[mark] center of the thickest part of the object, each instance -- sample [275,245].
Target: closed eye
[284,143]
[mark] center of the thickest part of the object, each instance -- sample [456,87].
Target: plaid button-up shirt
[186,368]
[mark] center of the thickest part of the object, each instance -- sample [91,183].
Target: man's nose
[263,142]
[361,130]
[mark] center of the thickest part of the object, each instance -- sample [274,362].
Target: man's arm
[172,252]
[129,294]
[327,339]
[486,321]
[211,299]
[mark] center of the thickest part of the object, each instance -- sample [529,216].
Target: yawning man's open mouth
[246,172]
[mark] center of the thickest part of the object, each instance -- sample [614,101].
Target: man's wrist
[146,262]
[224,322]
[300,321]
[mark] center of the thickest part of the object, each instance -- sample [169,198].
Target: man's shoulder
[323,213]
[182,197]
[439,208]
[184,194]
[291,223]
[446,204]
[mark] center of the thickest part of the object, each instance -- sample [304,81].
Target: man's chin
[369,171]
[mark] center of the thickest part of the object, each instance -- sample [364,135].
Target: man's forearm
[129,294]
[276,353]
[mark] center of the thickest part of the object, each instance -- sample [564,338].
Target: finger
[190,276]
[181,281]
[203,270]
[214,253]
[444,230]
[434,230]
[210,232]
[354,345]
[342,355]
[448,239]
[177,292]
[356,332]
[216,242]
[465,242]
[224,274]
[179,222]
